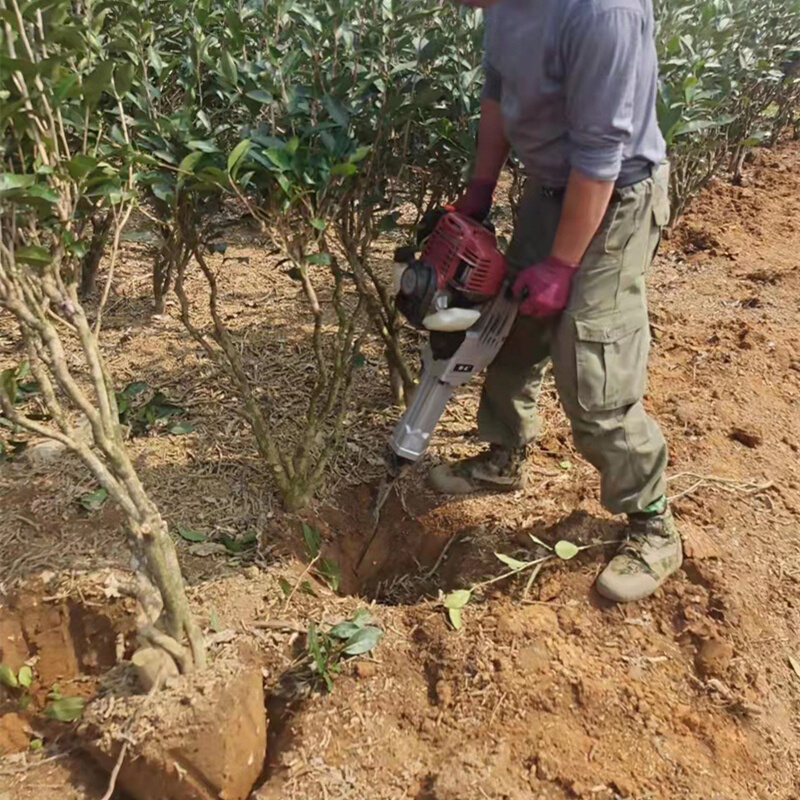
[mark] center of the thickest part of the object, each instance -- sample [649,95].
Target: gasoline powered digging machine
[454,286]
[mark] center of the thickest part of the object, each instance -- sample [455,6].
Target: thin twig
[302,575]
[432,571]
[112,782]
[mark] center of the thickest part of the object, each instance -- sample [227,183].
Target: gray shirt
[577,83]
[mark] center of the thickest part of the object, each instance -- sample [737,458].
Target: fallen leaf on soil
[7,677]
[25,676]
[65,709]
[191,536]
[455,617]
[363,641]
[457,599]
[94,500]
[511,562]
[566,550]
[795,665]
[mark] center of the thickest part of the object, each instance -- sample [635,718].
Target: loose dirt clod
[714,658]
[749,438]
[203,739]
[14,734]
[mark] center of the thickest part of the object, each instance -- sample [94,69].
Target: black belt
[637,176]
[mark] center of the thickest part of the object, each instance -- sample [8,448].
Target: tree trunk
[101,226]
[161,559]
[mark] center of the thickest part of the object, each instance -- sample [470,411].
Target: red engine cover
[465,255]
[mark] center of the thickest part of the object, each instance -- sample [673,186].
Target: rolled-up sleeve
[492,83]
[601,54]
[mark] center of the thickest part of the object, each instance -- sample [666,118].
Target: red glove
[543,289]
[476,202]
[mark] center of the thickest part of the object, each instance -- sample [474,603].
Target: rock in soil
[203,739]
[14,734]
[713,658]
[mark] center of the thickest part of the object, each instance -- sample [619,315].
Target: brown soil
[551,694]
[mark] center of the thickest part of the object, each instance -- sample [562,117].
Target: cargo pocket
[611,359]
[661,209]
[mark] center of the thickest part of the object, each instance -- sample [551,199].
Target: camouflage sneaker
[497,468]
[650,555]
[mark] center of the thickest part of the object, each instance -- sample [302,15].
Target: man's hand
[543,289]
[476,202]
[583,209]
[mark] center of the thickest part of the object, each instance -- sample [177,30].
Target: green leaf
[329,570]
[566,550]
[361,617]
[25,676]
[99,81]
[347,169]
[203,145]
[8,385]
[7,677]
[323,259]
[33,255]
[312,539]
[35,744]
[362,641]
[80,165]
[315,650]
[260,96]
[565,465]
[360,154]
[192,536]
[229,69]
[457,599]
[188,164]
[237,154]
[319,224]
[132,389]
[123,78]
[538,541]
[155,60]
[279,158]
[286,587]
[235,546]
[337,111]
[65,709]
[180,429]
[455,617]
[94,500]
[344,630]
[511,562]
[11,182]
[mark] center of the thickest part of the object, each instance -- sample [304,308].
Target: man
[571,86]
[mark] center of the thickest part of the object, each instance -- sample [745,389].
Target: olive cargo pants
[598,346]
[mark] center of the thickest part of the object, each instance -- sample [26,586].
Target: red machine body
[465,256]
